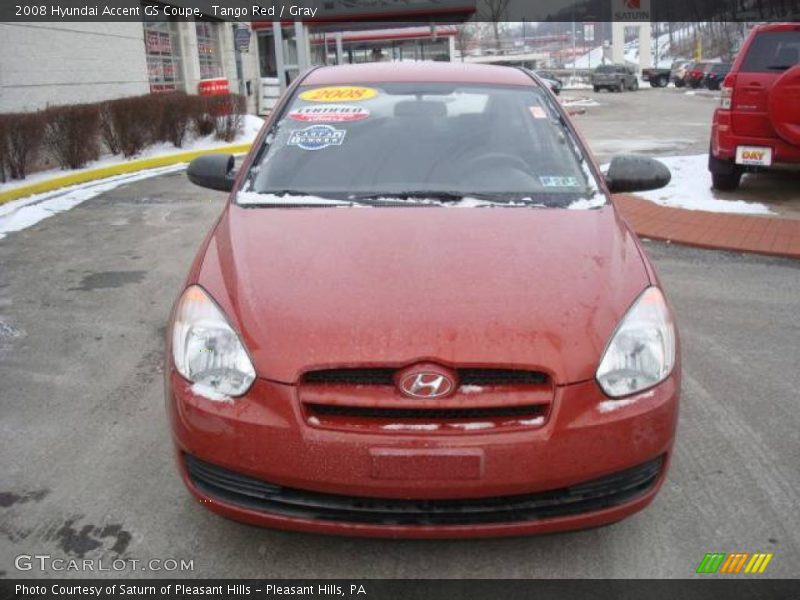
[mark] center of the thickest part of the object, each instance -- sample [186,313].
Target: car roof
[777,27]
[419,72]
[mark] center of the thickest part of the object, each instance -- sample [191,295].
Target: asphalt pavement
[86,460]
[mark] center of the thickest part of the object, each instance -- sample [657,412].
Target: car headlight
[641,352]
[206,349]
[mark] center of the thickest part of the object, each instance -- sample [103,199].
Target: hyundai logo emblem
[426,384]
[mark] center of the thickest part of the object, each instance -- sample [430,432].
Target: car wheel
[725,175]
[596,89]
[726,182]
[663,82]
[634,85]
[679,83]
[654,83]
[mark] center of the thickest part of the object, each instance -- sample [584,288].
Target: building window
[163,57]
[208,50]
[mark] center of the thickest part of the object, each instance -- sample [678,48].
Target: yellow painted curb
[118,169]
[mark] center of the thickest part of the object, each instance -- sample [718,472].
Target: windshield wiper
[430,196]
[289,197]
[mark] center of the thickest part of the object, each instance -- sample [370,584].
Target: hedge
[74,135]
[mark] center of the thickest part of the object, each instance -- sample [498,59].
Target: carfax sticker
[556,181]
[342,93]
[329,113]
[316,137]
[537,112]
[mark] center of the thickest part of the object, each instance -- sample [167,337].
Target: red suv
[758,122]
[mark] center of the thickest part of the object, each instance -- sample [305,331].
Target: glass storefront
[163,56]
[208,49]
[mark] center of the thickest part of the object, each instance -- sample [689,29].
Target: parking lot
[87,460]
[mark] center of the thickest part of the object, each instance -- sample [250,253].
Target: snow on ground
[252,125]
[690,188]
[584,102]
[26,212]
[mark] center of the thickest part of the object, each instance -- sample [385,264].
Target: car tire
[679,83]
[635,85]
[663,82]
[596,88]
[654,83]
[725,175]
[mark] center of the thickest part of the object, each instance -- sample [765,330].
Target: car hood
[530,288]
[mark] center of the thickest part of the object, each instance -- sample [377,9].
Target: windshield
[421,143]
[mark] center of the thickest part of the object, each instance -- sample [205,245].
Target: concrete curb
[122,168]
[773,236]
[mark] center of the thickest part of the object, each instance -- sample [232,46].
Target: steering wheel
[484,161]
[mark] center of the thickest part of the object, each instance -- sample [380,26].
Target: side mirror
[636,173]
[214,171]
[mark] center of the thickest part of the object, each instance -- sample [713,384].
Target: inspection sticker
[329,113]
[343,93]
[316,137]
[557,181]
[537,112]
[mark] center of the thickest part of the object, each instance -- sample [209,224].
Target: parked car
[695,77]
[715,75]
[657,77]
[757,125]
[365,344]
[614,78]
[678,72]
[553,82]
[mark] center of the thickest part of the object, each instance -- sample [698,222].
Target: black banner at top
[438,11]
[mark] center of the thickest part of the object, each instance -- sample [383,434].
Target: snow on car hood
[533,288]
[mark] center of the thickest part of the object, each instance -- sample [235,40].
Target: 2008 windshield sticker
[555,181]
[342,93]
[329,113]
[316,137]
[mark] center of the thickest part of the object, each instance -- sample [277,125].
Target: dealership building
[72,62]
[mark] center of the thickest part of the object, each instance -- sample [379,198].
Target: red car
[420,315]
[757,125]
[695,77]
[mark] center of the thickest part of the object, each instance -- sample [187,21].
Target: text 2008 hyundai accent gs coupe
[420,315]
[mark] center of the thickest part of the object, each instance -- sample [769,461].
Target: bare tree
[494,11]
[464,35]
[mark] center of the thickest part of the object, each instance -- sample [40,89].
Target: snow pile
[690,188]
[21,214]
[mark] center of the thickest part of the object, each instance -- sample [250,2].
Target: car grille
[249,493]
[384,376]
[367,400]
[373,412]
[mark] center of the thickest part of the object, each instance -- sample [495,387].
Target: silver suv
[614,78]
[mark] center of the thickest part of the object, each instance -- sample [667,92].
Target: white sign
[588,32]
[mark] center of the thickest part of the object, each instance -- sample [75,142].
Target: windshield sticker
[329,113]
[345,93]
[316,137]
[537,112]
[556,181]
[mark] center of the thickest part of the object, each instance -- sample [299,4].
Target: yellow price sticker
[345,93]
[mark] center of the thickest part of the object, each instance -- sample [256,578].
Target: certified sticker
[316,137]
[342,93]
[329,113]
[558,181]
[754,155]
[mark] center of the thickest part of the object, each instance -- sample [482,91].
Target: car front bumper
[261,449]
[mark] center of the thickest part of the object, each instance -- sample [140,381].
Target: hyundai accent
[420,315]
